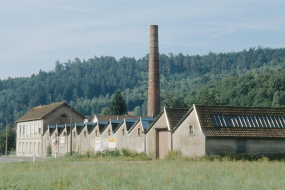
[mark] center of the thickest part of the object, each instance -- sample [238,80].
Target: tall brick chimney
[153,101]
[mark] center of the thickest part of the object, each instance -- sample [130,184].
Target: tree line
[251,77]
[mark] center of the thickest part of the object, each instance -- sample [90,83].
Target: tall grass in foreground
[156,174]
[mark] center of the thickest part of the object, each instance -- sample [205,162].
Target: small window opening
[139,131]
[191,129]
[73,134]
[20,130]
[123,132]
[39,130]
[63,116]
[84,133]
[64,133]
[96,133]
[109,132]
[23,129]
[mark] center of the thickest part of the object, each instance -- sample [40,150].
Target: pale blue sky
[34,34]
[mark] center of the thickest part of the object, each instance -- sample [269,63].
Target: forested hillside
[253,77]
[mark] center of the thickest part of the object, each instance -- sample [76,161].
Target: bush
[173,155]
[48,150]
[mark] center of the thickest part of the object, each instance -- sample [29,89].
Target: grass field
[113,173]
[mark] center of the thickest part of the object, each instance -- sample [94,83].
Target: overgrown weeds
[105,155]
[174,155]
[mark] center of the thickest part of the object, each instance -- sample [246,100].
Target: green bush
[48,150]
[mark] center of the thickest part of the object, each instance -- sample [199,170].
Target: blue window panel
[220,121]
[280,122]
[251,121]
[256,122]
[266,122]
[241,121]
[228,121]
[272,123]
[213,117]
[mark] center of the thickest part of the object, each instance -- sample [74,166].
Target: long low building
[198,131]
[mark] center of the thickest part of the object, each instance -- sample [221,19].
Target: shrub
[172,155]
[48,150]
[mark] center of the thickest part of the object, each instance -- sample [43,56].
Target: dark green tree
[118,104]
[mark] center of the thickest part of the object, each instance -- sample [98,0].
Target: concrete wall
[29,138]
[151,136]
[136,142]
[253,146]
[82,143]
[190,145]
[122,141]
[105,137]
[63,147]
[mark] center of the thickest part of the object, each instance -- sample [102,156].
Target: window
[191,129]
[96,133]
[23,129]
[39,130]
[109,132]
[73,134]
[84,133]
[20,130]
[64,133]
[123,132]
[63,116]
[139,131]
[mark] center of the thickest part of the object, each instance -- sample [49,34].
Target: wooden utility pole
[70,131]
[6,138]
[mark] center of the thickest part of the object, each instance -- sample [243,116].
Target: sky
[34,34]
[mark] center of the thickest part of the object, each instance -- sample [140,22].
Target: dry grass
[178,173]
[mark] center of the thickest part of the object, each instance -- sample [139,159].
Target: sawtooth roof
[115,117]
[206,113]
[41,112]
[174,115]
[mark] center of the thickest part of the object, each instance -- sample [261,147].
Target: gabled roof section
[51,129]
[114,117]
[67,126]
[90,118]
[130,123]
[146,122]
[174,115]
[60,129]
[181,120]
[115,124]
[102,125]
[158,116]
[253,122]
[41,112]
[90,126]
[79,127]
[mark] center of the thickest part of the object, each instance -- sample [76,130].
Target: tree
[105,111]
[118,104]
[137,110]
[173,101]
[207,98]
[11,139]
